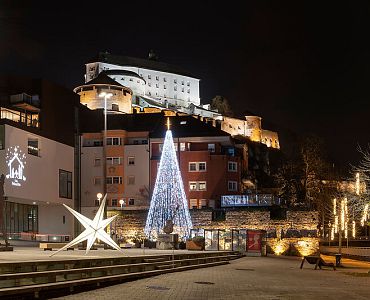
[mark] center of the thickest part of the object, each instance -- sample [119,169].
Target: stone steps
[66,280]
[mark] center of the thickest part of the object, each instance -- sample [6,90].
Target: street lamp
[99,196]
[121,202]
[106,96]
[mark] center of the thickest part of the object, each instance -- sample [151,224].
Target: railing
[249,200]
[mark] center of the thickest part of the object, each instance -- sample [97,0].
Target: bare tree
[222,105]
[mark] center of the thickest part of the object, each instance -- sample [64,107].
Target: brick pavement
[245,278]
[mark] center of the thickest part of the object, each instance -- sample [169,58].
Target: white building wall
[41,184]
[140,170]
[187,88]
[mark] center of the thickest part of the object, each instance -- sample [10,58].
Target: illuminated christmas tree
[169,199]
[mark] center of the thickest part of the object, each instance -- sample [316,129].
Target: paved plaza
[247,278]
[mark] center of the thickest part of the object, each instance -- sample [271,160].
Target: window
[115,107]
[131,79]
[113,160]
[149,77]
[164,79]
[65,184]
[182,89]
[157,85]
[131,180]
[232,166]
[175,81]
[131,201]
[33,147]
[97,161]
[192,166]
[175,88]
[97,203]
[175,96]
[188,91]
[203,203]
[114,180]
[202,166]
[192,185]
[98,143]
[97,181]
[182,82]
[188,83]
[218,215]
[114,202]
[164,87]
[156,77]
[131,160]
[193,203]
[149,84]
[182,147]
[211,147]
[202,186]
[115,141]
[232,186]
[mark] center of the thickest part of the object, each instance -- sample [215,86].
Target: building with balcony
[37,135]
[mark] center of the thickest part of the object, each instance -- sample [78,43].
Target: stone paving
[247,278]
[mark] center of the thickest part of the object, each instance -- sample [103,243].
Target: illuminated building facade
[37,157]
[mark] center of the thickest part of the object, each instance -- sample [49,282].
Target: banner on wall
[254,241]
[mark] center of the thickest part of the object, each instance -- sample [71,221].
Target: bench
[51,246]
[317,261]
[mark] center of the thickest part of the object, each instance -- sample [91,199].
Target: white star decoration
[94,229]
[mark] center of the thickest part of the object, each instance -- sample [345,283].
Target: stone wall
[130,224]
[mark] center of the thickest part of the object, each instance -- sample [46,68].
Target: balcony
[26,102]
[19,117]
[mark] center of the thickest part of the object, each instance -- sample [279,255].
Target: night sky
[301,65]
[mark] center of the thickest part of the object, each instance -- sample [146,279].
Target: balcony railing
[249,200]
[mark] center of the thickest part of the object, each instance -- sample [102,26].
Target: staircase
[40,279]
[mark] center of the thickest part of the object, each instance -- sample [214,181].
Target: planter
[190,245]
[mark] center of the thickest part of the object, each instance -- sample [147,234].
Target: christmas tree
[169,199]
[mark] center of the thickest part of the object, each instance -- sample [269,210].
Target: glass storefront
[20,219]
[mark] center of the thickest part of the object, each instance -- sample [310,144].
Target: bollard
[338,259]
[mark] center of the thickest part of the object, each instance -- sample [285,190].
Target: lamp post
[106,96]
[121,202]
[99,196]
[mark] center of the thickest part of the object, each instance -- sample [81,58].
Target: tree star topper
[94,229]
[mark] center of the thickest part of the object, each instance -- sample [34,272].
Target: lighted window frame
[193,185]
[131,160]
[202,186]
[192,166]
[202,166]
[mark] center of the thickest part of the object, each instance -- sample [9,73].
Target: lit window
[232,166]
[211,147]
[130,180]
[131,160]
[193,203]
[65,184]
[232,186]
[202,186]
[202,166]
[182,147]
[33,147]
[192,166]
[192,185]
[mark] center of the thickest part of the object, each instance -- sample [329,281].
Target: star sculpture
[94,229]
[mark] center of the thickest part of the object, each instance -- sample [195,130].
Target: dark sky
[304,65]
